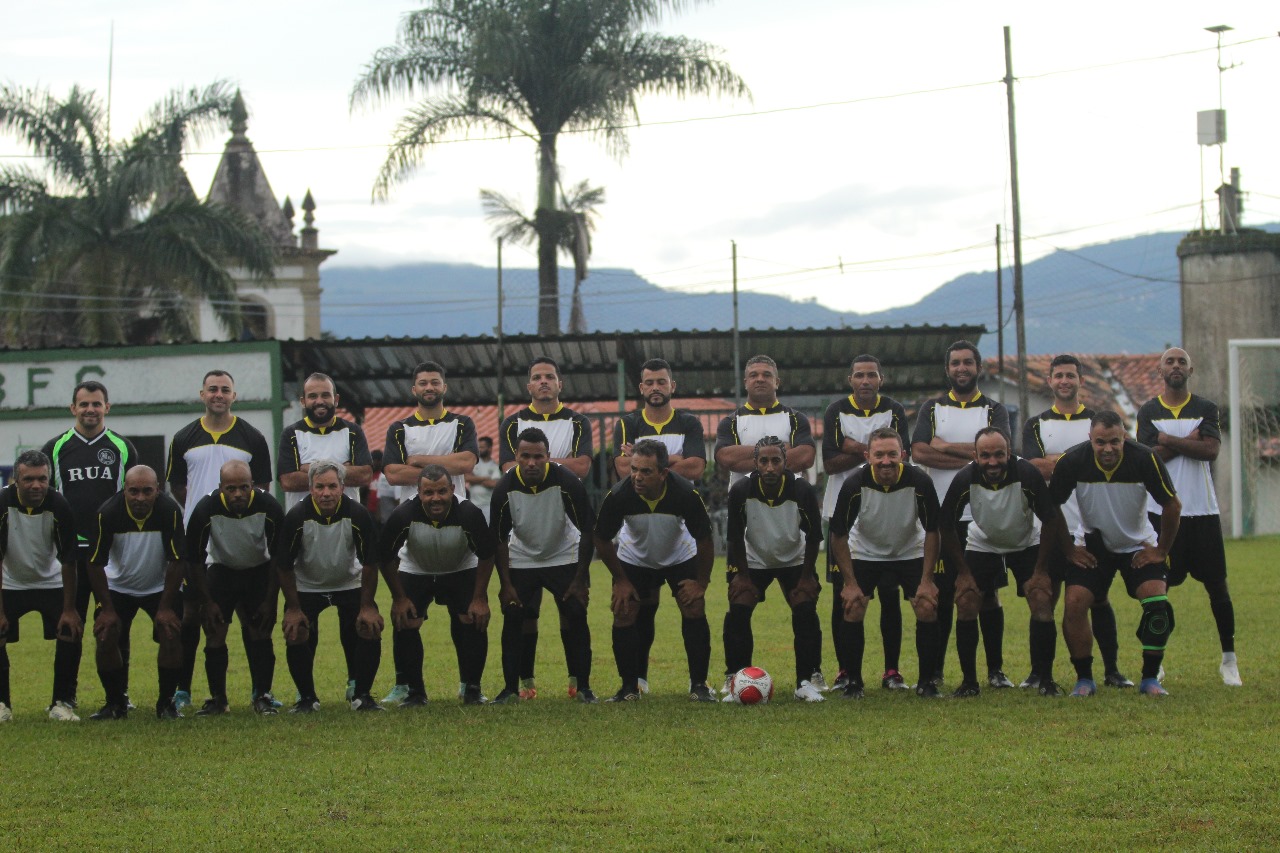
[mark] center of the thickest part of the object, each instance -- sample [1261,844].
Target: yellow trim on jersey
[977,395]
[546,469]
[1176,410]
[866,413]
[322,427]
[644,415]
[1168,491]
[1080,407]
[559,407]
[895,482]
[431,421]
[764,410]
[217,435]
[653,504]
[782,484]
[140,522]
[1105,472]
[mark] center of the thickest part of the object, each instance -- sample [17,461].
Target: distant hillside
[1111,297]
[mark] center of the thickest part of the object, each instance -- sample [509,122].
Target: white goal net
[1254,426]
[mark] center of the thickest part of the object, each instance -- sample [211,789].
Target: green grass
[1007,770]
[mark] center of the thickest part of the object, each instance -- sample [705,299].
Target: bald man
[1183,430]
[136,564]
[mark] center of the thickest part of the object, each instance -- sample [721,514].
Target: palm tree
[109,244]
[536,68]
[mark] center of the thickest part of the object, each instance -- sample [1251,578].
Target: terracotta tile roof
[1138,374]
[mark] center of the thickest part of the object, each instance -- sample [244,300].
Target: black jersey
[886,523]
[654,534]
[545,524]
[951,420]
[136,551]
[1114,503]
[1007,515]
[771,530]
[748,425]
[35,540]
[87,471]
[681,433]
[424,546]
[1193,478]
[846,419]
[196,457]
[303,442]
[326,553]
[419,436]
[238,540]
[568,433]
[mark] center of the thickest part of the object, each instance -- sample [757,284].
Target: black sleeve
[1031,446]
[576,502]
[848,502]
[801,433]
[810,510]
[64,529]
[393,451]
[477,531]
[736,531]
[924,431]
[927,501]
[619,434]
[1147,432]
[102,545]
[365,532]
[726,434]
[695,444]
[696,518]
[359,447]
[274,522]
[832,436]
[260,459]
[394,532]
[583,439]
[1037,492]
[957,498]
[176,470]
[1063,480]
[900,424]
[287,454]
[467,438]
[198,535]
[1210,421]
[507,440]
[610,519]
[289,543]
[500,510]
[1156,478]
[174,531]
[1000,417]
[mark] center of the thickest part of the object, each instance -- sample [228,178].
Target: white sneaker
[643,684]
[1229,670]
[729,697]
[63,712]
[5,714]
[728,686]
[809,693]
[1160,674]
[818,682]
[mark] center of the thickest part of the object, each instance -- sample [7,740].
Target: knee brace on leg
[1156,624]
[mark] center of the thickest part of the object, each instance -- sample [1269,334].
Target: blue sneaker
[1152,687]
[398,694]
[1084,688]
[181,699]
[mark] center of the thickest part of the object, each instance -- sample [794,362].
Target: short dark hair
[993,430]
[533,435]
[959,345]
[655,450]
[1106,418]
[90,385]
[886,432]
[656,364]
[31,459]
[760,359]
[429,367]
[324,377]
[544,359]
[434,472]
[1060,360]
[769,441]
[487,438]
[217,372]
[864,358]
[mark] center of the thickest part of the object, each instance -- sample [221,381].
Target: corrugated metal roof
[376,372]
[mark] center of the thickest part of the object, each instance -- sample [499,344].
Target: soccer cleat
[506,697]
[181,699]
[528,690]
[842,681]
[808,692]
[938,678]
[351,690]
[414,700]
[1230,671]
[818,682]
[265,705]
[110,712]
[5,714]
[365,702]
[1049,688]
[997,679]
[168,710]
[642,684]
[275,703]
[893,680]
[1160,674]
[852,690]
[305,705]
[471,695]
[728,685]
[397,695]
[573,687]
[1085,687]
[129,706]
[1152,687]
[63,712]
[730,698]
[1115,678]
[624,695]
[928,690]
[1031,682]
[701,693]
[213,707]
[586,696]
[967,690]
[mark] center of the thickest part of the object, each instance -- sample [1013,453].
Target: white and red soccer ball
[752,686]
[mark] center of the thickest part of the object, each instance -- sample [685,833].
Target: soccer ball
[752,686]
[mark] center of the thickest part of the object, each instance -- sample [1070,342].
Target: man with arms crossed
[38,549]
[321,434]
[483,477]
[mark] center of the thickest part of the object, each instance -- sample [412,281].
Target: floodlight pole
[737,355]
[999,304]
[498,362]
[1019,308]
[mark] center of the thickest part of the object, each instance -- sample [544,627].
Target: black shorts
[990,570]
[761,579]
[944,574]
[1197,550]
[646,580]
[872,573]
[530,583]
[46,602]
[454,590]
[1098,580]
[314,603]
[127,607]
[234,588]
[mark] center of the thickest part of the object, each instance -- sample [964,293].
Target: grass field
[1007,770]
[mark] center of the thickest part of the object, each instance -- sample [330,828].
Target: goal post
[1253,377]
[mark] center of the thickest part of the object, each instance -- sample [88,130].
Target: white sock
[1228,657]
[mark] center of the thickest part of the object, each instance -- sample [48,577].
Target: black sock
[471,646]
[66,659]
[626,654]
[4,676]
[808,640]
[368,658]
[349,639]
[1044,642]
[576,636]
[1103,618]
[528,648]
[992,625]
[113,684]
[967,648]
[262,665]
[216,661]
[1151,664]
[837,629]
[946,612]
[124,658]
[855,643]
[927,645]
[1031,648]
[406,651]
[301,659]
[512,650]
[1084,667]
[168,677]
[891,627]
[739,643]
[697,647]
[645,625]
[190,636]
[1224,614]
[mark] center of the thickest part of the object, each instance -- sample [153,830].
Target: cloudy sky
[870,166]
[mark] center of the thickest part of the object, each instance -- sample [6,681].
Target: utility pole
[737,356]
[1019,308]
[501,350]
[999,303]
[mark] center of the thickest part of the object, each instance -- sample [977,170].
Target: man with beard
[1112,476]
[681,433]
[846,426]
[570,444]
[438,548]
[229,548]
[88,464]
[196,456]
[943,444]
[1016,526]
[1045,437]
[430,435]
[1183,430]
[321,434]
